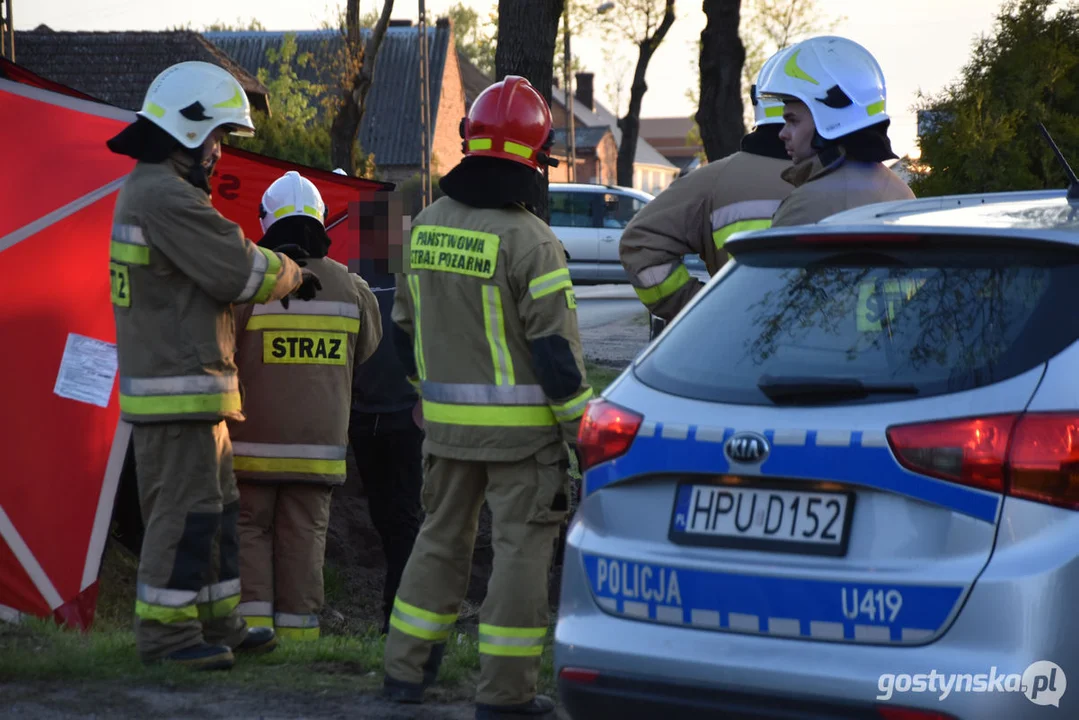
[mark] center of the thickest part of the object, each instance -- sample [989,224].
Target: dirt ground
[53,701]
[353,605]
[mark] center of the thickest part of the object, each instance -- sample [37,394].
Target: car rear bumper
[1008,622]
[630,697]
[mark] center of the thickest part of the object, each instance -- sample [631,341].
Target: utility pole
[7,34]
[571,135]
[425,106]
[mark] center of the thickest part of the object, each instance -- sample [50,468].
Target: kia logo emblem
[746,447]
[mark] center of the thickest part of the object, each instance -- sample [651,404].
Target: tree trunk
[361,59]
[719,116]
[527,32]
[630,125]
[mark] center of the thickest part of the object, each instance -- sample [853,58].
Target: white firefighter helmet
[840,82]
[192,99]
[291,194]
[766,110]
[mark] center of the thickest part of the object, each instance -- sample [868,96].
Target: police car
[843,482]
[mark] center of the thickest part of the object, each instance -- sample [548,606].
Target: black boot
[405,692]
[259,640]
[203,657]
[540,706]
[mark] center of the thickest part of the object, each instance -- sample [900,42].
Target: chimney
[584,90]
[400,23]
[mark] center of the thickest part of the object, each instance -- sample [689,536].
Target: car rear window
[933,320]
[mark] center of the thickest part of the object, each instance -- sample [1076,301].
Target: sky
[920,44]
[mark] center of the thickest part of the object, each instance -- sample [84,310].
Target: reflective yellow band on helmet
[511,641]
[517,149]
[774,111]
[313,212]
[549,283]
[875,109]
[130,254]
[720,236]
[155,110]
[573,408]
[673,283]
[479,144]
[792,69]
[283,211]
[489,415]
[236,101]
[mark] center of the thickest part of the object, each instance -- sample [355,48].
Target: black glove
[306,291]
[309,287]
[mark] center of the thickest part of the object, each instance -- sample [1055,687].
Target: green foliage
[980,134]
[475,38]
[219,26]
[412,193]
[296,130]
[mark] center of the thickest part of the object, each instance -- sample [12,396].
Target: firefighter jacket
[487,328]
[296,368]
[176,266]
[695,216]
[822,190]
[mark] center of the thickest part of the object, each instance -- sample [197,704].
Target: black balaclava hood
[307,232]
[488,182]
[765,141]
[869,144]
[146,142]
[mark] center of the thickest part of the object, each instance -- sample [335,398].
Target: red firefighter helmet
[510,120]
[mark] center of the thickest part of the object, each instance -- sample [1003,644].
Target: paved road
[599,305]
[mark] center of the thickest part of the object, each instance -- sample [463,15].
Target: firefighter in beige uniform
[488,327]
[176,266]
[296,368]
[698,212]
[836,129]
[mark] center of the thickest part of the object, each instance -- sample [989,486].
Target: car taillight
[898,713]
[1034,456]
[606,432]
[579,675]
[971,451]
[1044,462]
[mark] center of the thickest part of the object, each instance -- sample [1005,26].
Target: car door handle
[608,238]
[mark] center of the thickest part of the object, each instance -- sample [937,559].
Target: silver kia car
[843,482]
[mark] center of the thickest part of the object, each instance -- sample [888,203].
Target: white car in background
[589,220]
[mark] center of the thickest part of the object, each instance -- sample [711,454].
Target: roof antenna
[1073,182]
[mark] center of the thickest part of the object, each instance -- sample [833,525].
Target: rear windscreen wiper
[814,390]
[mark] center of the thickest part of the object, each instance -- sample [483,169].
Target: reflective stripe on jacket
[488,321]
[176,266]
[694,216]
[296,368]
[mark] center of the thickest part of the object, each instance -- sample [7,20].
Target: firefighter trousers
[282,550]
[529,500]
[189,575]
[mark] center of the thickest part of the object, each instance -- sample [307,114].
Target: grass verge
[39,651]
